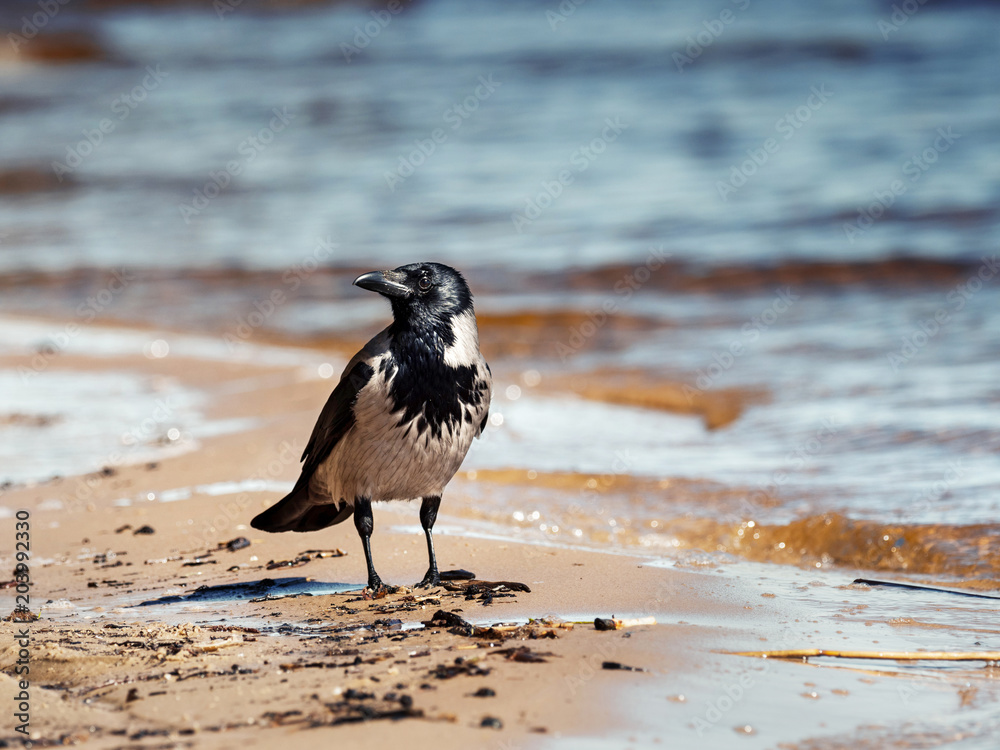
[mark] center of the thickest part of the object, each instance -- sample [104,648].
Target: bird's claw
[380,593]
[375,589]
[431,579]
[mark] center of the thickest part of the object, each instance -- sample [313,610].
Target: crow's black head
[421,293]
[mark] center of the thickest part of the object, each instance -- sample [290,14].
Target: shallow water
[97,419]
[685,128]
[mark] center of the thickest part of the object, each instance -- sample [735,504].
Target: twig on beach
[915,587]
[553,622]
[204,648]
[805,653]
[619,666]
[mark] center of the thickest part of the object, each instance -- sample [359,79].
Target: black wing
[336,418]
[297,511]
[486,384]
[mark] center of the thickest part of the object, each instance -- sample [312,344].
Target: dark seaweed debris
[619,666]
[460,666]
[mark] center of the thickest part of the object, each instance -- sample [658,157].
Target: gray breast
[384,458]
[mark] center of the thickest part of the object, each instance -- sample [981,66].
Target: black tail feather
[297,511]
[320,516]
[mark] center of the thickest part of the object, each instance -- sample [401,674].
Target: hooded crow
[402,417]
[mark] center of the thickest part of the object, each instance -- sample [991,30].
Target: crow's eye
[424,283]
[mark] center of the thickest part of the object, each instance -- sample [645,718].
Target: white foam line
[213,489]
[246,485]
[23,336]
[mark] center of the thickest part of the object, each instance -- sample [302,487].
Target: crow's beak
[388,283]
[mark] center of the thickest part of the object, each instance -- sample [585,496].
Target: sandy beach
[165,621]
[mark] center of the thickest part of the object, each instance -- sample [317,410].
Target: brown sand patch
[527,333]
[832,539]
[31,179]
[246,664]
[718,408]
[556,333]
[53,47]
[581,482]
[359,670]
[906,272]
[55,663]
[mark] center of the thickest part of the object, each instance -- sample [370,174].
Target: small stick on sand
[216,645]
[805,653]
[915,587]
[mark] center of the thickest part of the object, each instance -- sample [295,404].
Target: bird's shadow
[261,590]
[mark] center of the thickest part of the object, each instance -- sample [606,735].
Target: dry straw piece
[805,653]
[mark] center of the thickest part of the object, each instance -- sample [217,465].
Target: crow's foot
[431,579]
[375,588]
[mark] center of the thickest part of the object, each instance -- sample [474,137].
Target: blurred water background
[795,200]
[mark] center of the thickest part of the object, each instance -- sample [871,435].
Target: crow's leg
[428,515]
[364,523]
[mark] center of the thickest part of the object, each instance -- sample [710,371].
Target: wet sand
[153,633]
